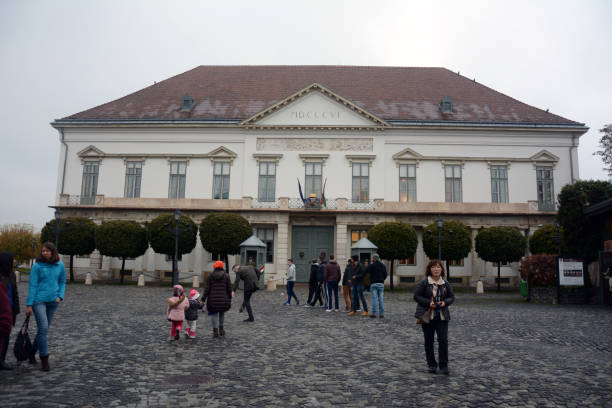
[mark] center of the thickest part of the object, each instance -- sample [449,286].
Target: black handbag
[23,346]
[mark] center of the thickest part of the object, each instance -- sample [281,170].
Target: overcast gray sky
[61,57]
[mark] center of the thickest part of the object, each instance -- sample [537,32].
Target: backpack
[23,346]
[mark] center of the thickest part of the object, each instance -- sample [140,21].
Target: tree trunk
[122,269]
[225,262]
[448,270]
[71,271]
[391,276]
[498,276]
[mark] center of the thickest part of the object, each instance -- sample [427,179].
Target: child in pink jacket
[177,305]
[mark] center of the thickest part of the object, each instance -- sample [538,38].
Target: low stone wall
[548,294]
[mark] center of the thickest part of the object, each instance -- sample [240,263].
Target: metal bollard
[141,281]
[88,280]
[479,287]
[196,282]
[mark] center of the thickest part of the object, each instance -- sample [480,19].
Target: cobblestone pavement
[109,346]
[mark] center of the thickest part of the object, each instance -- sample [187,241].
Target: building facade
[370,144]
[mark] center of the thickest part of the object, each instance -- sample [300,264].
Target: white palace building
[385,144]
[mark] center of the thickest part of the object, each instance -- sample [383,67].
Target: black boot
[32,357]
[45,363]
[221,331]
[215,332]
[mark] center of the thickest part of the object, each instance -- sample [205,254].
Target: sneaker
[364,313]
[381,316]
[297,302]
[352,313]
[249,320]
[358,310]
[177,337]
[192,335]
[444,370]
[433,369]
[286,304]
[373,316]
[328,310]
[307,305]
[336,310]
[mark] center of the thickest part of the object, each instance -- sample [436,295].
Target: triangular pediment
[544,156]
[91,151]
[221,153]
[315,107]
[407,154]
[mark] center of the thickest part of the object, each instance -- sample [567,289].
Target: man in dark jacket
[332,278]
[312,282]
[346,284]
[248,275]
[320,289]
[378,274]
[357,282]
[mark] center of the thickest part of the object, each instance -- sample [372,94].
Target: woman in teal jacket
[47,286]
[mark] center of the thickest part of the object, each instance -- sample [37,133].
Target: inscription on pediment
[315,144]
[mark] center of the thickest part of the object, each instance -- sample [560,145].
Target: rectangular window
[89,186]
[499,184]
[455,262]
[313,179]
[357,235]
[133,174]
[221,179]
[361,182]
[452,175]
[178,171]
[266,235]
[407,183]
[408,261]
[546,192]
[267,181]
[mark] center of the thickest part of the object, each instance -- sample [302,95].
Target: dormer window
[446,106]
[188,103]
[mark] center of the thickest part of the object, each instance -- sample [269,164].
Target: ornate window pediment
[407,156]
[221,154]
[91,153]
[544,158]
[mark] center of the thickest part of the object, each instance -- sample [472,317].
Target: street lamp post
[177,216]
[439,224]
[33,249]
[58,218]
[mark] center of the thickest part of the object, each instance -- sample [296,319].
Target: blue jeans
[43,312]
[377,290]
[290,292]
[332,287]
[358,294]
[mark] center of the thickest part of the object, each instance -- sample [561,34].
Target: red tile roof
[392,93]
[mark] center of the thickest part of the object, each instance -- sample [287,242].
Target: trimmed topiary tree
[77,237]
[543,241]
[395,240]
[160,232]
[121,239]
[500,244]
[222,233]
[581,237]
[456,242]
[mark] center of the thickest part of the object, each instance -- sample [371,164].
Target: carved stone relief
[303,144]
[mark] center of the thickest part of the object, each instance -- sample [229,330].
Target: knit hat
[177,290]
[376,257]
[218,265]
[193,294]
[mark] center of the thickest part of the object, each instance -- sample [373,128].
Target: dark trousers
[290,292]
[5,345]
[312,287]
[332,287]
[357,296]
[317,296]
[441,328]
[247,303]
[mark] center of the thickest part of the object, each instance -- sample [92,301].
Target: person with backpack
[46,291]
[218,297]
[7,276]
[191,314]
[248,275]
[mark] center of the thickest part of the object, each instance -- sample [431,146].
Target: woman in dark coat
[7,277]
[433,296]
[218,297]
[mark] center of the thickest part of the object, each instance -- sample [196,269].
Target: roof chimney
[188,103]
[446,106]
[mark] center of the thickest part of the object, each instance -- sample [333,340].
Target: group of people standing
[325,278]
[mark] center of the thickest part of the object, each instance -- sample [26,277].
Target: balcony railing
[296,204]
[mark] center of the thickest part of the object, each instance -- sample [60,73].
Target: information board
[571,272]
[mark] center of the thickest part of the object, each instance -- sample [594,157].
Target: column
[283,249]
[341,243]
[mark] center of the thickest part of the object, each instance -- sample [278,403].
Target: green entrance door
[308,243]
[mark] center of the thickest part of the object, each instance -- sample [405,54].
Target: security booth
[364,248]
[253,252]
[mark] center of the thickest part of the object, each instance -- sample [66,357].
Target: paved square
[109,346]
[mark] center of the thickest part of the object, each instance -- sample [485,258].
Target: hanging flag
[261,270]
[301,195]
[323,201]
